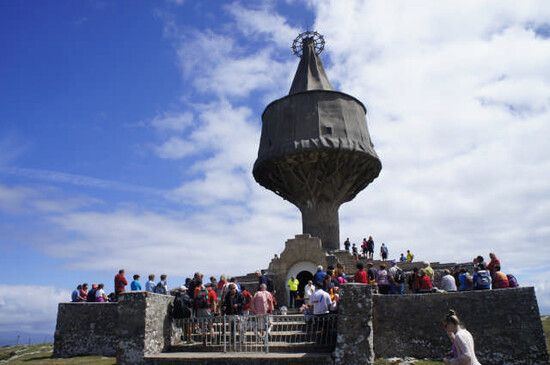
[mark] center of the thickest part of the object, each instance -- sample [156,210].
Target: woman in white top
[463,352]
[100,295]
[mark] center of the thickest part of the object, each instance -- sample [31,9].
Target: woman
[383,280]
[463,352]
[100,295]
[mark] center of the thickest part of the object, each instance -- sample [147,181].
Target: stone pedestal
[355,343]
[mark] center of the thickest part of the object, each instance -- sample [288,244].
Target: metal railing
[250,333]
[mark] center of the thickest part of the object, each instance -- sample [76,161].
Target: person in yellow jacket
[293,291]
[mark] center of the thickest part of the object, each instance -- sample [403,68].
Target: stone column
[144,326]
[354,343]
[320,219]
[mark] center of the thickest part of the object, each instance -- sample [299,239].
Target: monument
[315,149]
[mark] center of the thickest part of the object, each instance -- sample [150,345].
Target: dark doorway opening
[303,277]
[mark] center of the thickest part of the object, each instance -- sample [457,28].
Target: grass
[42,354]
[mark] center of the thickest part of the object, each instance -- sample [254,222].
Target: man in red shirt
[212,298]
[120,282]
[425,282]
[361,274]
[247,300]
[493,264]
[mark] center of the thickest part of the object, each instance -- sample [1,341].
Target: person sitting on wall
[361,274]
[91,294]
[371,274]
[500,279]
[162,285]
[120,282]
[397,279]
[347,244]
[135,285]
[100,295]
[425,282]
[150,284]
[83,293]
[466,280]
[448,283]
[493,264]
[462,352]
[75,293]
[482,278]
[292,285]
[429,270]
[410,256]
[414,281]
[402,258]
[382,280]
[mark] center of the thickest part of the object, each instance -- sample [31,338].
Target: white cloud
[173,122]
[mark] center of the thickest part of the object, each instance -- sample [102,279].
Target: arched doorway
[303,277]
[306,270]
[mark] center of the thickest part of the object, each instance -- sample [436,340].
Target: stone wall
[505,324]
[86,329]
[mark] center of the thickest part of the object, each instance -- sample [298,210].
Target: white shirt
[150,286]
[464,345]
[99,293]
[309,290]
[448,283]
[321,301]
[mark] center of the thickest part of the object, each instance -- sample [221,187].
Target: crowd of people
[368,248]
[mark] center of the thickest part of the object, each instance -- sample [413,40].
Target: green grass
[42,354]
[546,327]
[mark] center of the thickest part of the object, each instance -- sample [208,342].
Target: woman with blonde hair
[463,352]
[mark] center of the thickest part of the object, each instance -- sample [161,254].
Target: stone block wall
[86,329]
[505,324]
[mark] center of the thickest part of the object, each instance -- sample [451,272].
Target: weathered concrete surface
[85,329]
[354,343]
[144,326]
[505,324]
[219,358]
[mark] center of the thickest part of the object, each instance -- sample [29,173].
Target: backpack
[513,282]
[399,276]
[483,279]
[201,301]
[180,308]
[160,289]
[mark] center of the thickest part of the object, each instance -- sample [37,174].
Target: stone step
[274,346]
[279,336]
[221,358]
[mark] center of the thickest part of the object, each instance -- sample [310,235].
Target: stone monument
[315,149]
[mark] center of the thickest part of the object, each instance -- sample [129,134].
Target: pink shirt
[262,303]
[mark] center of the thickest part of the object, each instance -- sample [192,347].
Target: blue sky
[128,132]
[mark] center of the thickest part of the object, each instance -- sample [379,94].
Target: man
[91,294]
[493,264]
[347,244]
[247,296]
[75,293]
[360,275]
[150,284]
[319,276]
[482,278]
[320,300]
[120,282]
[309,289]
[448,282]
[370,247]
[292,285]
[201,305]
[371,274]
[233,301]
[410,256]
[181,312]
[264,279]
[402,258]
[384,252]
[162,285]
[425,283]
[195,283]
[354,251]
[83,293]
[429,270]
[135,284]
[212,298]
[262,302]
[397,279]
[500,279]
[365,247]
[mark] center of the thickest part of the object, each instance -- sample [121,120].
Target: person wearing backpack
[162,285]
[500,279]
[200,303]
[181,312]
[482,278]
[397,279]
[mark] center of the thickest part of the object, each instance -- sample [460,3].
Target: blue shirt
[74,295]
[319,277]
[135,285]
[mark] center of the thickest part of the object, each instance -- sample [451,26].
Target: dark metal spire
[310,74]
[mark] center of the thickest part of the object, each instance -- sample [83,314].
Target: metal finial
[317,39]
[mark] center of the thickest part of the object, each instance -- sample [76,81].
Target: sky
[128,131]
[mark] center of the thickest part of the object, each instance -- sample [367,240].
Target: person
[247,296]
[91,294]
[482,278]
[196,282]
[181,312]
[414,281]
[493,264]
[150,284]
[162,285]
[200,302]
[292,285]
[135,285]
[83,293]
[448,282]
[309,289]
[463,351]
[479,260]
[384,252]
[262,302]
[500,279]
[402,258]
[100,295]
[264,279]
[361,274]
[221,283]
[465,279]
[320,300]
[233,302]
[382,280]
[365,247]
[371,274]
[456,274]
[397,279]
[370,247]
[212,298]
[354,251]
[319,276]
[75,294]
[425,282]
[429,270]
[347,244]
[120,282]
[410,256]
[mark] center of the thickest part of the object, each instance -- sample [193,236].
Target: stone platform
[252,358]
